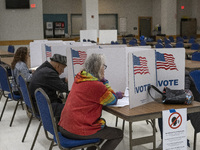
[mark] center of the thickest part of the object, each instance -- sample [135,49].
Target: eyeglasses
[104,66]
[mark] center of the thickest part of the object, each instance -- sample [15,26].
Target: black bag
[173,96]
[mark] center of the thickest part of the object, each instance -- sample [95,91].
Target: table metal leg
[130,135]
[154,134]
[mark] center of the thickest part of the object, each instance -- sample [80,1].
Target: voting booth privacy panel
[106,36]
[36,51]
[162,67]
[141,74]
[170,68]
[116,59]
[88,35]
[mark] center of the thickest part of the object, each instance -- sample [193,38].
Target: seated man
[47,77]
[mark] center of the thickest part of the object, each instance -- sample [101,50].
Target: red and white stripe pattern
[168,64]
[81,59]
[141,67]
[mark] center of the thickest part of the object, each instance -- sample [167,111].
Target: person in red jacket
[81,115]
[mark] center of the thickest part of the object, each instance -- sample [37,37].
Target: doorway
[145,26]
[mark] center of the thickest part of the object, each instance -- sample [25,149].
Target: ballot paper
[121,102]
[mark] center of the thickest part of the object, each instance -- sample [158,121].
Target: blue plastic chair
[196,56]
[11,49]
[123,41]
[168,46]
[143,43]
[167,41]
[179,39]
[6,87]
[195,75]
[171,38]
[133,43]
[49,124]
[195,46]
[191,40]
[159,45]
[116,42]
[30,107]
[159,41]
[179,45]
[112,42]
[184,37]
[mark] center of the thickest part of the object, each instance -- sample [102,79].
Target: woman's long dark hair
[20,55]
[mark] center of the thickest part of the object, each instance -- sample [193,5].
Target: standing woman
[19,65]
[81,115]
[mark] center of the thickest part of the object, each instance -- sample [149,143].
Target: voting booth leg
[130,135]
[195,139]
[154,133]
[142,140]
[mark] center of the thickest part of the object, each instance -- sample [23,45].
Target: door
[145,26]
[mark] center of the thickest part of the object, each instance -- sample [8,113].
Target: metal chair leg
[36,135]
[14,113]
[116,122]
[123,125]
[195,139]
[1,94]
[22,104]
[3,108]
[51,146]
[151,122]
[29,122]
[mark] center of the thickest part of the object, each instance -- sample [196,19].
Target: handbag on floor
[173,96]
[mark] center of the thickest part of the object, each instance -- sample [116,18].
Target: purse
[173,96]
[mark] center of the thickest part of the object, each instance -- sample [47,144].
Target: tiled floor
[10,137]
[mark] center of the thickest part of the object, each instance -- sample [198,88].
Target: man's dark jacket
[47,78]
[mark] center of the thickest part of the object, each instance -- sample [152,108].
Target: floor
[10,137]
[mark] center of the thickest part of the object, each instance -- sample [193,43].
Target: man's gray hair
[93,64]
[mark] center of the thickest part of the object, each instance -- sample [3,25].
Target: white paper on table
[122,102]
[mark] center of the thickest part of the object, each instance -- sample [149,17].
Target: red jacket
[83,108]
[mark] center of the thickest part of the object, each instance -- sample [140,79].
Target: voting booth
[37,56]
[106,36]
[170,68]
[141,74]
[88,35]
[160,67]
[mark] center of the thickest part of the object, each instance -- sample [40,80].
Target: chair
[143,43]
[167,41]
[195,75]
[159,41]
[6,87]
[195,46]
[123,41]
[159,45]
[112,42]
[179,45]
[30,107]
[11,49]
[49,124]
[196,56]
[171,38]
[179,39]
[116,42]
[191,40]
[133,43]
[185,37]
[168,46]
